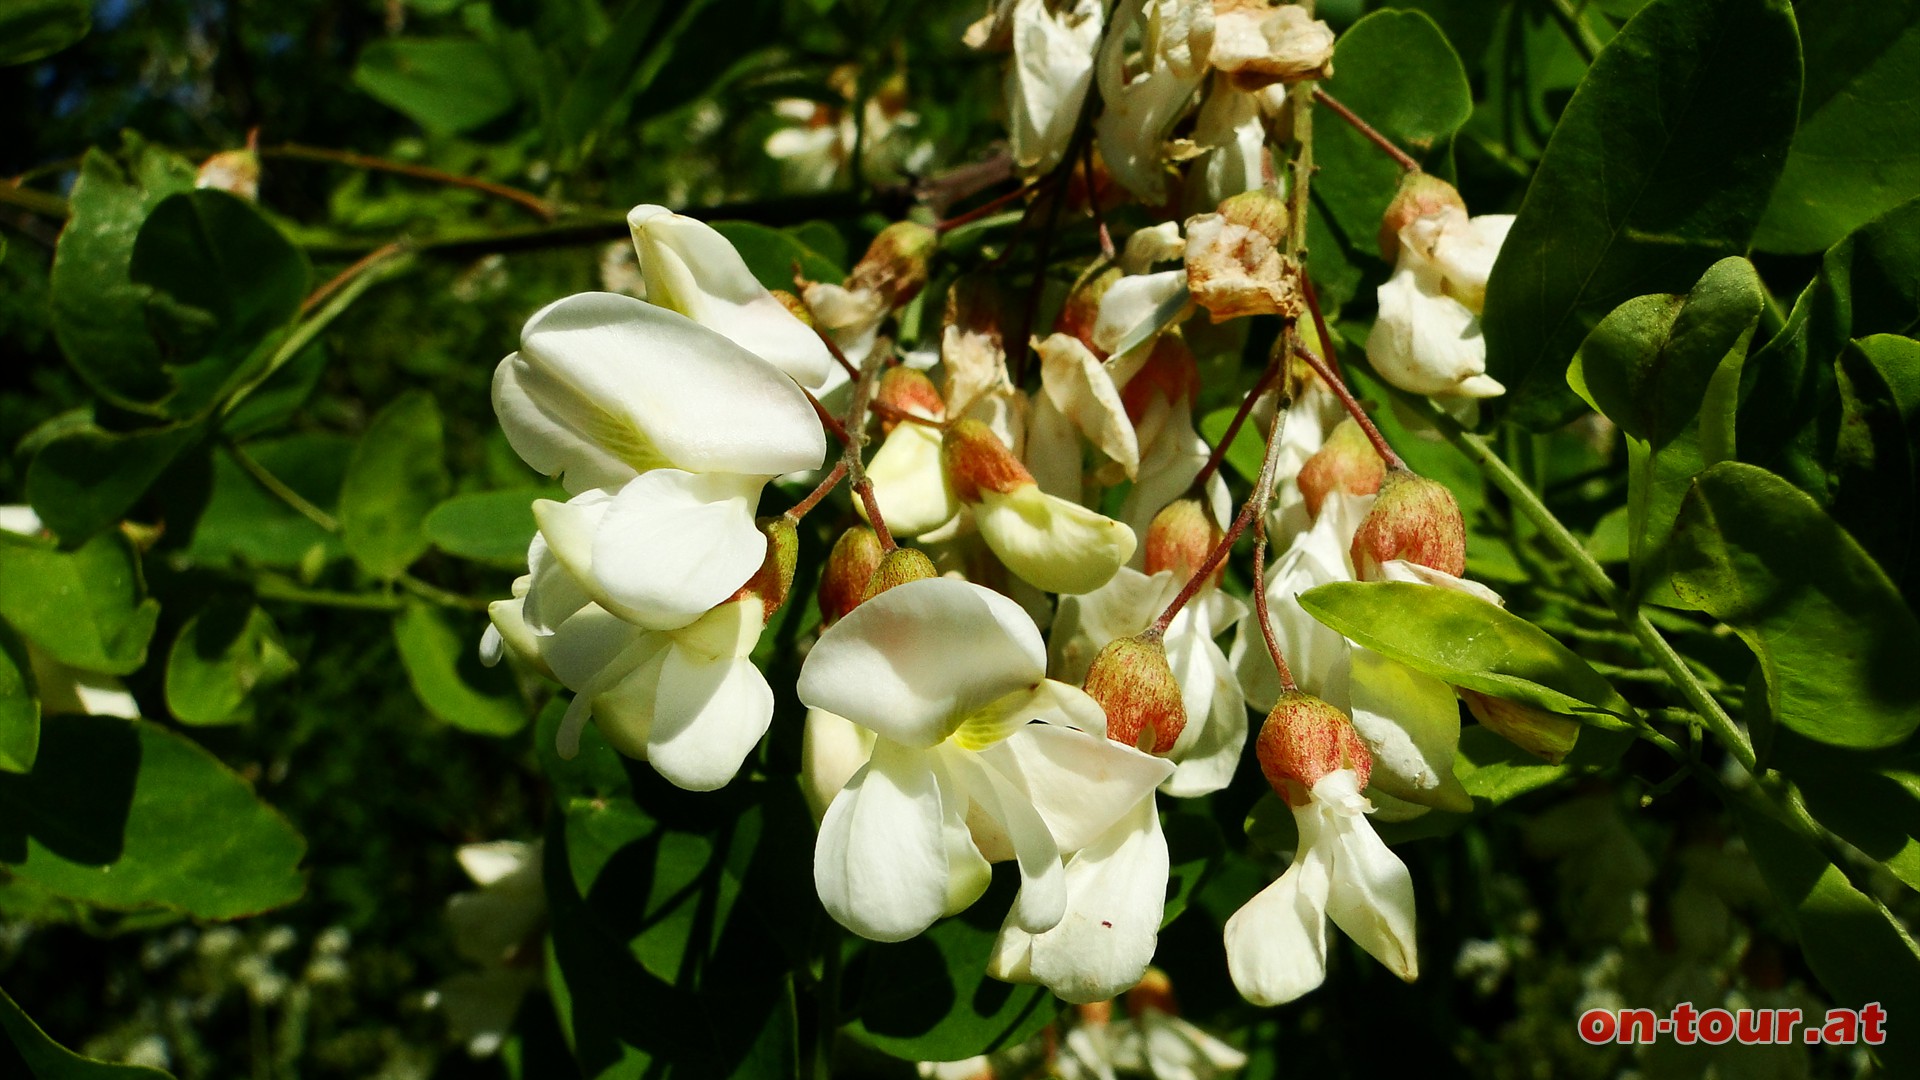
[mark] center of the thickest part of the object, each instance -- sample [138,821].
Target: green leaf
[1858,950]
[223,278]
[19,704]
[1246,453]
[31,29]
[28,1052]
[627,57]
[443,664]
[446,85]
[99,313]
[246,524]
[88,608]
[1839,648]
[1854,155]
[1647,364]
[1869,283]
[772,253]
[486,526]
[929,998]
[127,815]
[397,475]
[84,480]
[1657,169]
[1374,63]
[1875,471]
[1465,641]
[224,652]
[1874,808]
[1194,850]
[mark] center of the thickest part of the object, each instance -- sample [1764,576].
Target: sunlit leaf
[87,608]
[441,656]
[397,475]
[19,705]
[224,652]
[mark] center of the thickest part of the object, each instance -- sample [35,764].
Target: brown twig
[827,419]
[1353,407]
[352,160]
[1233,427]
[1373,136]
[1287,685]
[988,207]
[338,281]
[799,509]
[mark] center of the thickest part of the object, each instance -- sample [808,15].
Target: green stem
[1569,547]
[1578,32]
[278,489]
[372,272]
[274,588]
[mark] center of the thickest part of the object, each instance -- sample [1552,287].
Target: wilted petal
[880,863]
[1135,302]
[1079,386]
[674,544]
[605,386]
[708,716]
[1116,894]
[915,661]
[692,269]
[1056,545]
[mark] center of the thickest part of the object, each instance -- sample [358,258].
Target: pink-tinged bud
[1133,682]
[1420,195]
[797,307]
[850,566]
[236,172]
[1346,462]
[1261,210]
[898,567]
[1303,740]
[976,460]
[895,265]
[774,580]
[903,389]
[1082,310]
[1414,519]
[1181,537]
[1543,734]
[1153,994]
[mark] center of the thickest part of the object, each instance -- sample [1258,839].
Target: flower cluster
[1019,652]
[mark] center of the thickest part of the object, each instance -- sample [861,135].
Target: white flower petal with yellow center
[605,387]
[1277,943]
[692,269]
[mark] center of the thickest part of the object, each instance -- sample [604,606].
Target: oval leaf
[88,608]
[446,85]
[397,475]
[1839,649]
[487,526]
[222,654]
[1659,167]
[444,667]
[1465,641]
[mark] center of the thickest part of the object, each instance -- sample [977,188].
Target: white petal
[917,660]
[1079,782]
[1048,80]
[674,544]
[1132,302]
[553,593]
[1126,605]
[1052,451]
[693,270]
[1402,570]
[1277,943]
[623,711]
[1056,545]
[1411,723]
[880,863]
[641,385]
[909,483]
[708,716]
[832,749]
[1042,899]
[1116,894]
[1371,895]
[1080,387]
[1208,751]
[595,648]
[1424,341]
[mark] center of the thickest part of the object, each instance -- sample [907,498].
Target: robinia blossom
[977,757]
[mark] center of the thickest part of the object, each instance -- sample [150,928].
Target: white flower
[691,269]
[1168,1047]
[949,677]
[1277,943]
[1426,338]
[1141,109]
[1409,721]
[1048,80]
[1209,746]
[1052,543]
[496,929]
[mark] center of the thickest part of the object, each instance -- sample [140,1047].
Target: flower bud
[1153,994]
[1304,739]
[976,460]
[1420,195]
[906,390]
[1181,537]
[236,172]
[1261,210]
[1133,682]
[898,567]
[1415,519]
[774,580]
[850,566]
[895,265]
[1259,45]
[1346,462]
[1544,734]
